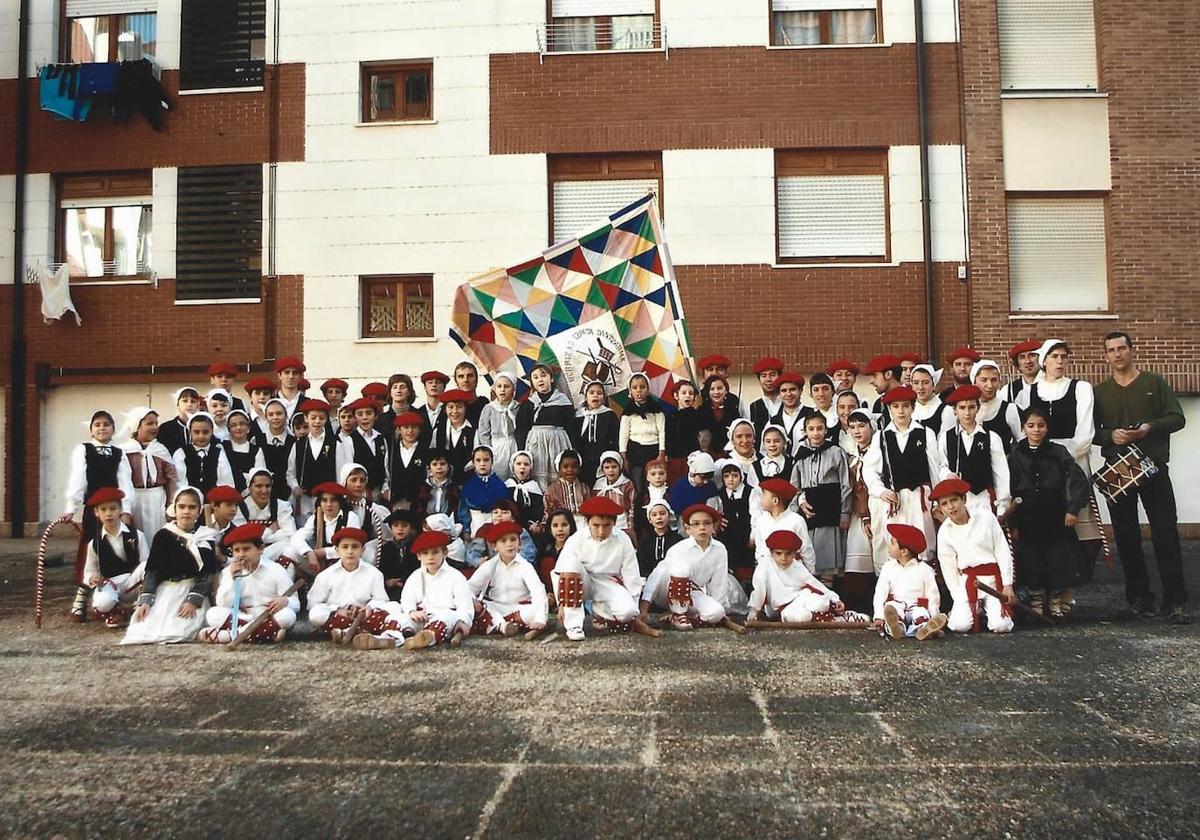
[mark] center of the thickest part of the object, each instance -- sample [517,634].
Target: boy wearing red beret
[768,369]
[368,446]
[886,372]
[221,375]
[264,587]
[972,549]
[599,564]
[348,588]
[907,600]
[316,458]
[456,435]
[290,371]
[1024,358]
[791,413]
[510,597]
[969,451]
[432,416]
[692,581]
[116,559]
[408,463]
[436,604]
[785,589]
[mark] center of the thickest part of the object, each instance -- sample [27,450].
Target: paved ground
[1086,731]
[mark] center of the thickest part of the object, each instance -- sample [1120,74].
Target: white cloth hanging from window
[56,294]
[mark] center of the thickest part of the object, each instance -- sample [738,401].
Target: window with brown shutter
[397,306]
[222,44]
[799,23]
[397,92]
[831,205]
[585,189]
[104,225]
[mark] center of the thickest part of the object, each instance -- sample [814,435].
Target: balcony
[633,33]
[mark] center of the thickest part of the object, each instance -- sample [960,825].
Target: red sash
[973,573]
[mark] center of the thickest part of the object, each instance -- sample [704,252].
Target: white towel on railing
[56,294]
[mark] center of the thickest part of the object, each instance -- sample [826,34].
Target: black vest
[272,507]
[789,463]
[240,462]
[373,456]
[934,422]
[320,540]
[313,470]
[172,434]
[100,470]
[201,473]
[1062,412]
[406,482]
[999,425]
[170,559]
[110,564]
[736,512]
[973,465]
[909,469]
[760,416]
[276,459]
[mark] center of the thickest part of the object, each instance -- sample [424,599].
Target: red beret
[105,494]
[429,539]
[908,537]
[349,534]
[223,493]
[879,364]
[915,358]
[841,364]
[375,389]
[784,541]
[964,353]
[949,487]
[457,395]
[714,360]
[791,377]
[502,529]
[782,488]
[305,384]
[901,394]
[1031,346]
[335,383]
[363,402]
[408,418]
[222,367]
[963,392]
[434,374]
[289,362]
[767,363]
[329,487]
[600,506]
[314,405]
[260,383]
[700,508]
[251,532]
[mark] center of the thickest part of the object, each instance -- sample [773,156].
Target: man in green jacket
[1138,407]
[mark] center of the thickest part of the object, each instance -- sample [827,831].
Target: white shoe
[575,634]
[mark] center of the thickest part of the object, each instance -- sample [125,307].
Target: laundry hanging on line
[79,92]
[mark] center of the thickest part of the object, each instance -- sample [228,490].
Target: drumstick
[759,624]
[1016,602]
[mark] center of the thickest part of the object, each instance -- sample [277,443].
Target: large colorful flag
[600,307]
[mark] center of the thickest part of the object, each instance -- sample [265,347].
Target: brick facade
[719,97]
[201,130]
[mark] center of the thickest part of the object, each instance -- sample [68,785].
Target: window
[1047,46]
[831,205]
[397,92]
[104,224]
[1057,253]
[222,44]
[585,25]
[585,189]
[796,23]
[218,237]
[108,30]
[397,306]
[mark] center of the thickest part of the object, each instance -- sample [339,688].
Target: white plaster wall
[719,205]
[39,222]
[7,228]
[947,209]
[716,23]
[8,38]
[164,184]
[940,21]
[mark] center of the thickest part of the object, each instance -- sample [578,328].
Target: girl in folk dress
[152,470]
[643,435]
[242,451]
[597,427]
[614,484]
[542,423]
[719,409]
[567,491]
[823,476]
[526,492]
[498,423]
[928,408]
[177,579]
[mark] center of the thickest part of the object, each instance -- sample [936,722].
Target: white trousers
[610,599]
[115,590]
[803,607]
[529,614]
[318,614]
[217,616]
[913,510]
[913,616]
[963,621]
[704,606]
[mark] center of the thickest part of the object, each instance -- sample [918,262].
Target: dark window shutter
[218,249]
[222,43]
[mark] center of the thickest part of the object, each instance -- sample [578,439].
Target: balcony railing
[111,270]
[585,35]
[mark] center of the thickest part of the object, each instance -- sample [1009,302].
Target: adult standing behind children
[1137,407]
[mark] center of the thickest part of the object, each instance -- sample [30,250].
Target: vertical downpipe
[926,215]
[18,409]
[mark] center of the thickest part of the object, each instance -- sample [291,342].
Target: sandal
[1037,601]
[1056,607]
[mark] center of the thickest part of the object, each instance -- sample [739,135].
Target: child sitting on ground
[263,586]
[510,597]
[437,605]
[786,589]
[350,587]
[116,560]
[907,601]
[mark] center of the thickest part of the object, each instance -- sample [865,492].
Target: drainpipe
[16,407]
[926,226]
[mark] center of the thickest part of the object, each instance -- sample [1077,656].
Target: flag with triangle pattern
[597,308]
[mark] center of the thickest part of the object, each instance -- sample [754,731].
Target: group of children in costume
[396,524]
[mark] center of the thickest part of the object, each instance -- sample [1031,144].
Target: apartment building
[836,177]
